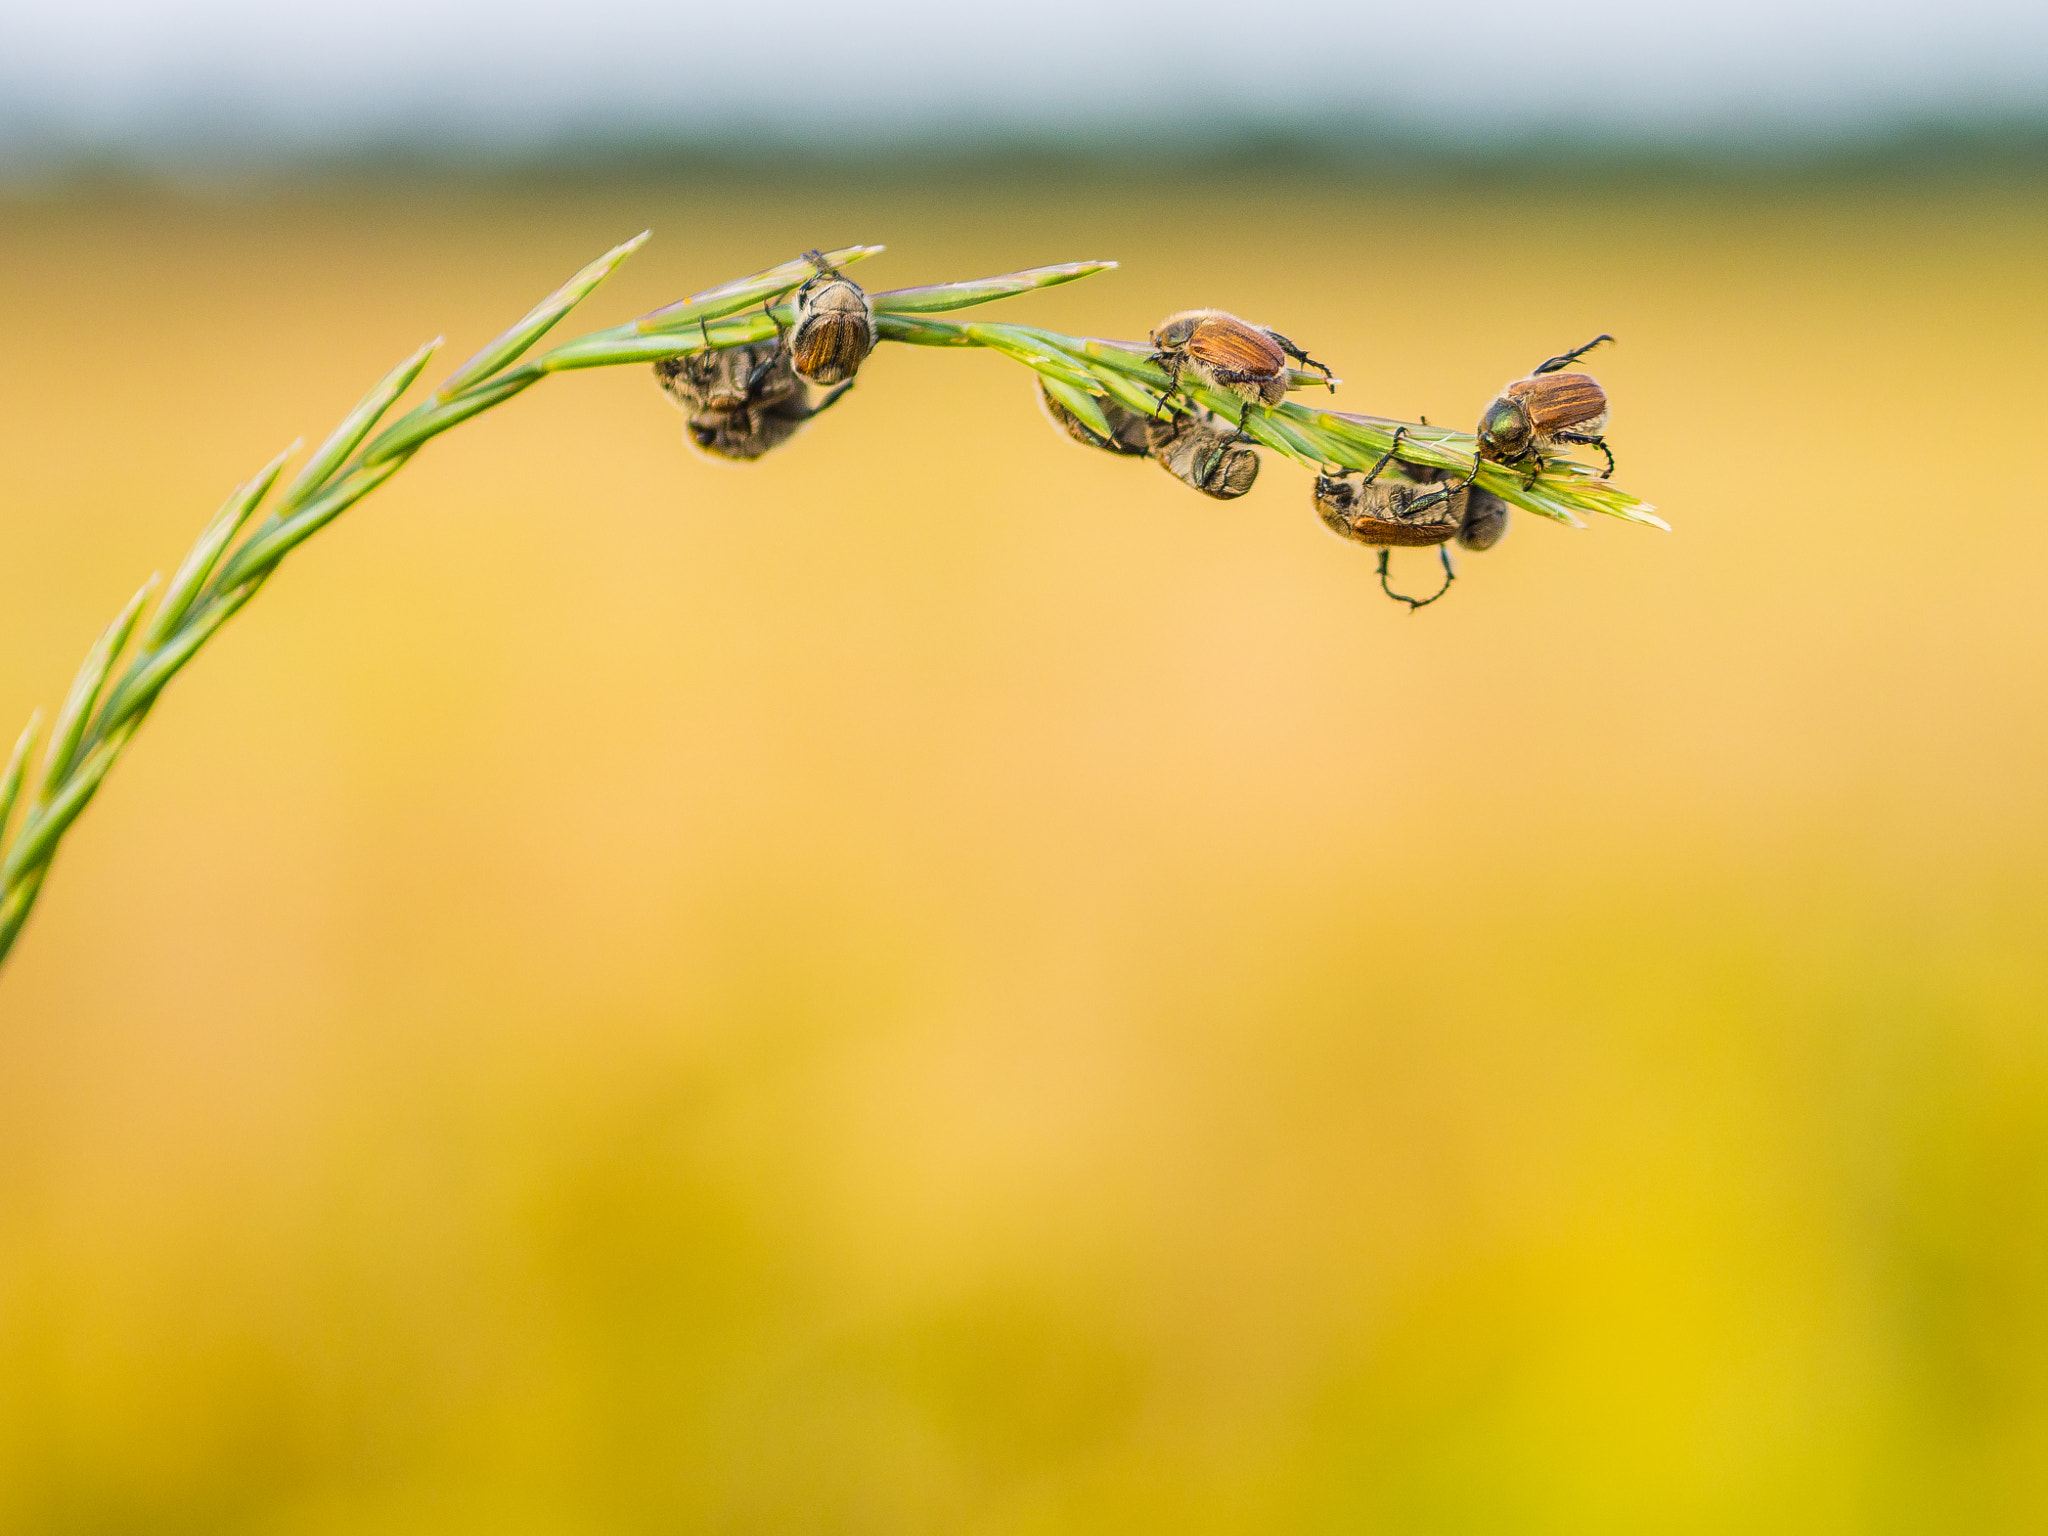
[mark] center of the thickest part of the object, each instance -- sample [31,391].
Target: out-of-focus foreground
[943,982]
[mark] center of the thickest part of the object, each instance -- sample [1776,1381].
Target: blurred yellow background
[944,983]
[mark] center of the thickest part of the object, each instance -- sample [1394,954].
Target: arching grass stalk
[231,561]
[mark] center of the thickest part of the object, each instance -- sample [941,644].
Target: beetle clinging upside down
[1394,514]
[1130,431]
[742,401]
[1196,453]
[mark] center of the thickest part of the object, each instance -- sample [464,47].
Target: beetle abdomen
[1376,513]
[1381,534]
[829,346]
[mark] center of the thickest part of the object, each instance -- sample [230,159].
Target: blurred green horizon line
[1948,148]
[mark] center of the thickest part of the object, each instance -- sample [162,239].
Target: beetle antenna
[1566,359]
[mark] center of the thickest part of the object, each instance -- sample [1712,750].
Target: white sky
[324,71]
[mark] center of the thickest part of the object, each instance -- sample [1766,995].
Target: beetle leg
[1565,360]
[1374,473]
[760,370]
[1172,384]
[1240,435]
[1417,602]
[828,402]
[1304,359]
[1444,492]
[1531,477]
[1591,442]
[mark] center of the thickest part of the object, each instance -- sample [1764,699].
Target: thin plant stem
[238,551]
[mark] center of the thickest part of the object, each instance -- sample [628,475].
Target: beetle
[1395,514]
[727,379]
[742,401]
[1548,409]
[1229,354]
[1130,436]
[746,434]
[1194,452]
[833,325]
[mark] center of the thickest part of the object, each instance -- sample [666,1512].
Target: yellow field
[943,983]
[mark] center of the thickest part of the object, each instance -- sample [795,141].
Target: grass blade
[919,332]
[205,555]
[405,436]
[1081,403]
[746,292]
[17,766]
[939,296]
[355,426]
[262,553]
[538,321]
[147,678]
[68,730]
[46,823]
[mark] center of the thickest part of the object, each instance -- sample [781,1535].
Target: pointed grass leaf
[1132,362]
[920,332]
[17,766]
[403,437]
[623,344]
[611,349]
[146,679]
[940,296]
[354,427]
[17,900]
[745,292]
[271,544]
[205,555]
[48,821]
[1025,350]
[538,321]
[1126,391]
[1278,433]
[68,730]
[1081,403]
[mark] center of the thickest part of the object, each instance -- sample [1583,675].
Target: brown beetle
[1546,410]
[1131,431]
[742,401]
[1194,452]
[1394,514]
[833,327]
[747,434]
[1229,354]
[726,380]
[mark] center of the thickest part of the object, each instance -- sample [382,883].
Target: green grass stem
[219,576]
